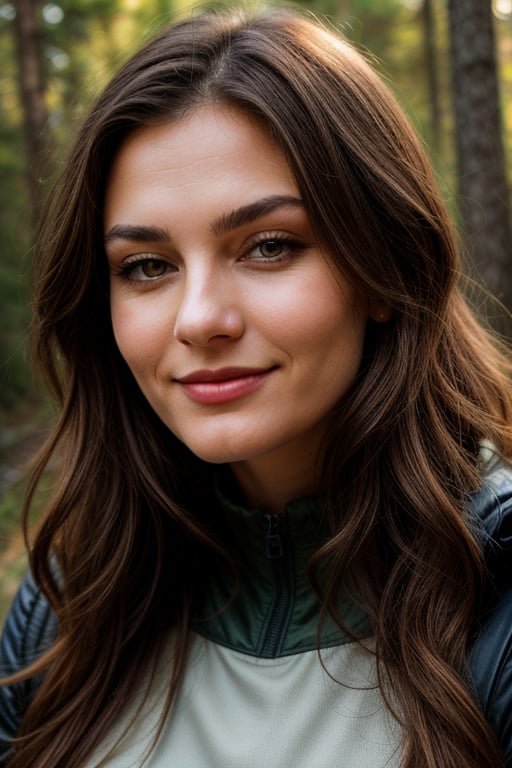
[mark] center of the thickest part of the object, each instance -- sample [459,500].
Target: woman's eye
[272,249]
[146,269]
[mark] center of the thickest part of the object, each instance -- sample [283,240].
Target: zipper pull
[273,542]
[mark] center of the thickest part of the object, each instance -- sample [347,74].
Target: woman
[279,524]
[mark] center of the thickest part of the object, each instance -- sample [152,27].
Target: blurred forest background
[450,62]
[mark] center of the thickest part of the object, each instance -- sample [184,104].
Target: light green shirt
[256,692]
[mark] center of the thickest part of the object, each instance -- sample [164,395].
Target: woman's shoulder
[29,630]
[491,653]
[492,502]
[490,515]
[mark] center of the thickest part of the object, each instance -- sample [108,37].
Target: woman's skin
[223,305]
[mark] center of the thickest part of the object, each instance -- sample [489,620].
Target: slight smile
[223,385]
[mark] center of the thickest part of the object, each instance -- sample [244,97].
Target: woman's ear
[379,311]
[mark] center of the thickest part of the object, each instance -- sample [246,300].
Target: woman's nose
[208,311]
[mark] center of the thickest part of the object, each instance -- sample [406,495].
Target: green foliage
[10,515]
[11,505]
[13,557]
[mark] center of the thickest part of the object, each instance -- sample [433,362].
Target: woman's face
[223,304]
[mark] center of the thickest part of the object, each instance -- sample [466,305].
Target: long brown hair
[124,522]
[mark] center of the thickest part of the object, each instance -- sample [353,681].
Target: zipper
[279,557]
[273,540]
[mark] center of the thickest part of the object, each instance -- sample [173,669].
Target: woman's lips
[212,387]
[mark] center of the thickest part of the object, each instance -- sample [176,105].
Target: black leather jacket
[31,625]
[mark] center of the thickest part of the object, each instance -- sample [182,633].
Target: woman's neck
[269,486]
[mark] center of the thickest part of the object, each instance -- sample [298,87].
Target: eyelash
[288,244]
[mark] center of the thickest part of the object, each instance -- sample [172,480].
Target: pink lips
[222,385]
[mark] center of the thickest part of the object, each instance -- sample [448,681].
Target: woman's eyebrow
[225,223]
[137,233]
[251,212]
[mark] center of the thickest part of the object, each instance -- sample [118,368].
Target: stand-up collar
[274,611]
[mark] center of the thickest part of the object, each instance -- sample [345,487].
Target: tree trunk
[32,89]
[482,182]
[429,37]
